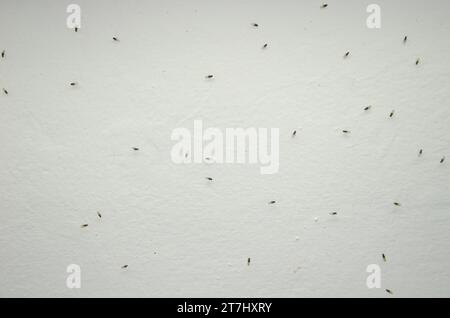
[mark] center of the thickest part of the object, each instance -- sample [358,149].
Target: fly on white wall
[319,169]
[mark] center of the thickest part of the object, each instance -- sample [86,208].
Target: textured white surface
[66,152]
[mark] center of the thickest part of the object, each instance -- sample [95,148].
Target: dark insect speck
[125,266]
[248,261]
[272,202]
[420,152]
[346,131]
[294,133]
[405,39]
[417,61]
[255,25]
[209,178]
[135,149]
[84,225]
[442,160]
[99,215]
[384,257]
[209,76]
[264,46]
[347,54]
[115,39]
[389,291]
[5,91]
[391,114]
[367,107]
[333,213]
[3,54]
[397,204]
[323,6]
[76,29]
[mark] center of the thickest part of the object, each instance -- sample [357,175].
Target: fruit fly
[417,61]
[397,204]
[115,39]
[3,54]
[384,257]
[209,178]
[333,213]
[248,261]
[389,291]
[347,54]
[5,91]
[84,225]
[272,202]
[420,152]
[367,107]
[442,160]
[255,25]
[209,76]
[99,214]
[73,84]
[405,39]
[135,149]
[346,131]
[264,46]
[294,133]
[323,6]
[392,114]
[125,266]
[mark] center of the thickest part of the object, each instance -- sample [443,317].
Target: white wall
[65,152]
